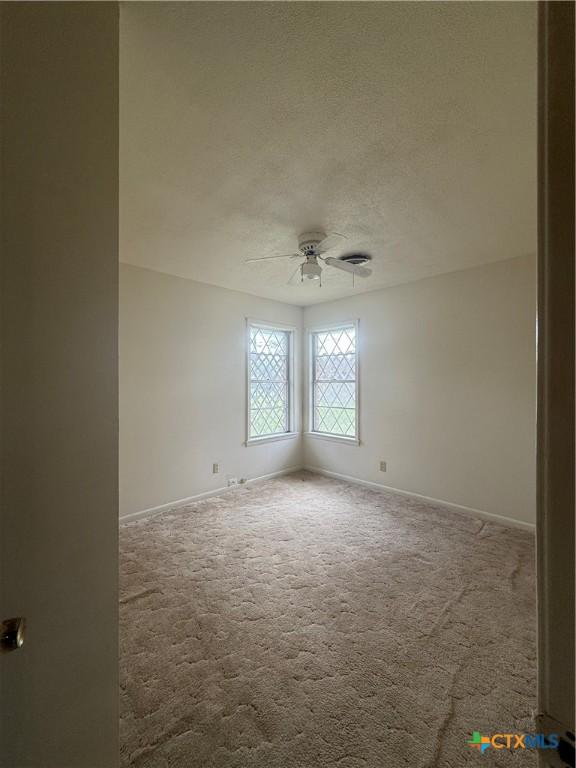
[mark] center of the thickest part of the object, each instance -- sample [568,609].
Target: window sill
[271,438]
[334,438]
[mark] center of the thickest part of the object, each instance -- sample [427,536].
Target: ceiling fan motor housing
[309,242]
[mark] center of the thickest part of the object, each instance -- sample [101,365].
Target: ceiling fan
[313,247]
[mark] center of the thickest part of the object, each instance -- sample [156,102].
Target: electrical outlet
[383,466]
[232,481]
[215,469]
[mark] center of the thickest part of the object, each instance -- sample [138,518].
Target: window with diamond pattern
[334,381]
[269,381]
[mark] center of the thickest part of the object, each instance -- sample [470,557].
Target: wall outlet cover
[383,466]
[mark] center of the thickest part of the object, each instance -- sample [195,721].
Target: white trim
[205,495]
[332,326]
[270,475]
[470,511]
[270,326]
[491,516]
[310,331]
[271,438]
[342,439]
[291,330]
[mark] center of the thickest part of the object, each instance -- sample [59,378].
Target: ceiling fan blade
[283,256]
[332,240]
[355,269]
[293,275]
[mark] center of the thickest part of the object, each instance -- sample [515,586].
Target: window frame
[311,432]
[291,331]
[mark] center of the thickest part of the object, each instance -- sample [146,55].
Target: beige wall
[59,407]
[183,388]
[447,388]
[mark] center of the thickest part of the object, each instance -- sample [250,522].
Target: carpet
[306,622]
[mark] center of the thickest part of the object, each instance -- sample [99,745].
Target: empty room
[327,383]
[287,384]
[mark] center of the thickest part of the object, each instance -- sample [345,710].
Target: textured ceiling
[409,127]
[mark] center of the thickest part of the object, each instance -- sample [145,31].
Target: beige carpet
[307,622]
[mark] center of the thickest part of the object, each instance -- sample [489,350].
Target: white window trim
[310,432]
[292,432]
[342,439]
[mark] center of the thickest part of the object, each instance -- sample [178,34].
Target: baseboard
[490,516]
[205,495]
[479,513]
[279,473]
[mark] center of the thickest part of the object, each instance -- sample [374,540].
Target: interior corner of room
[446,390]
[430,177]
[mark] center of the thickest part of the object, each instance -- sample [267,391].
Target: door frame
[555,402]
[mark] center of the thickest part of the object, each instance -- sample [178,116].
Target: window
[334,382]
[270,354]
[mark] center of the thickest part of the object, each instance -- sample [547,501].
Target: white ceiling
[410,127]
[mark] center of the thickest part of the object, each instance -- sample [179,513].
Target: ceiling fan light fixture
[311,270]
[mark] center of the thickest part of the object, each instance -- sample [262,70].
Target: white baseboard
[490,516]
[205,495]
[479,513]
